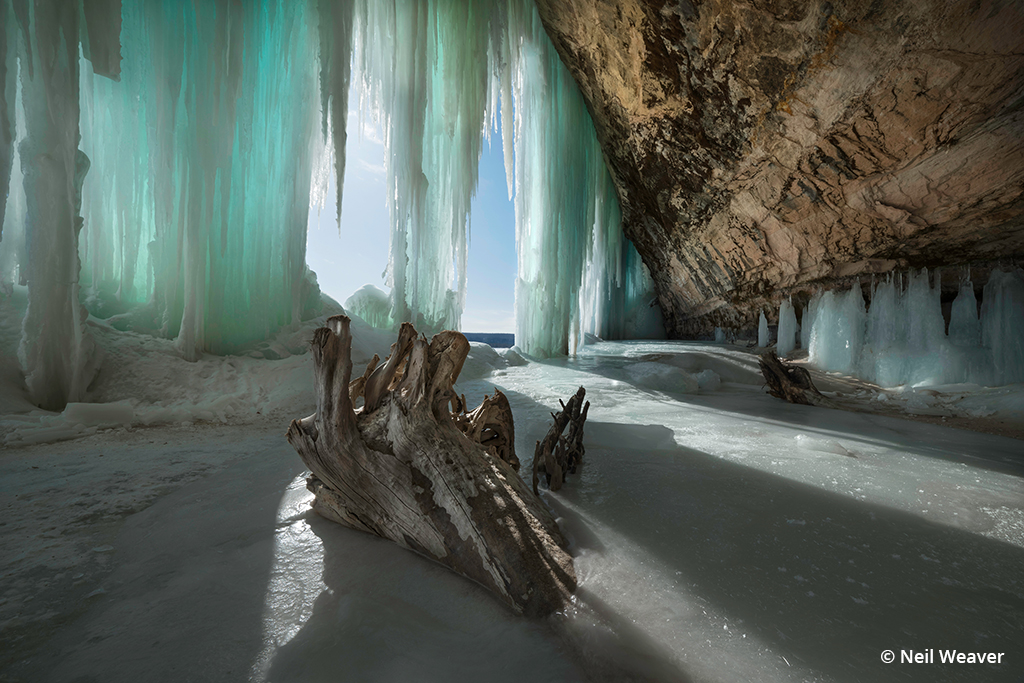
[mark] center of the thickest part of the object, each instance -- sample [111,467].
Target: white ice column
[55,349]
[1002,324]
[8,74]
[763,337]
[964,326]
[787,329]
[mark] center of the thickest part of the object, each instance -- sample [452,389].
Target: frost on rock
[901,338]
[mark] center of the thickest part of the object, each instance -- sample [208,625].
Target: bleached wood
[402,469]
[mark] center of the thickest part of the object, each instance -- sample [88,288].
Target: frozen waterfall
[208,142]
[466,62]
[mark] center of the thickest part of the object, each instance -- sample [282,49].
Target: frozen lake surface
[719,535]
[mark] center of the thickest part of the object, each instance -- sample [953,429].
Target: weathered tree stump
[790,382]
[558,455]
[402,467]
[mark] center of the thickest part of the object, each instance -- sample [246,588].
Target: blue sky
[358,256]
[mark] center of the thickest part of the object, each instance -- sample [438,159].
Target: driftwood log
[490,424]
[405,468]
[790,382]
[558,455]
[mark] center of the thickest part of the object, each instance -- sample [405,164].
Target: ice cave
[763,260]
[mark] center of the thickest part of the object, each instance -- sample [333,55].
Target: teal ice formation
[159,162]
[899,336]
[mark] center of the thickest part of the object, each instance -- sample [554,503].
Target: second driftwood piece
[402,468]
[558,455]
[790,382]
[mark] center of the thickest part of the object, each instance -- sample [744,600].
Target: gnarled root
[558,455]
[405,468]
[790,382]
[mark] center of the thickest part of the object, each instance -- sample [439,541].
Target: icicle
[198,200]
[905,341]
[787,329]
[762,331]
[101,39]
[807,320]
[568,226]
[335,22]
[425,80]
[1002,323]
[8,76]
[12,228]
[56,352]
[719,335]
[838,332]
[964,326]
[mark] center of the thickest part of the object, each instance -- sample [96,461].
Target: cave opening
[617,185]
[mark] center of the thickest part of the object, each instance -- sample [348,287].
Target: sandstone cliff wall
[763,147]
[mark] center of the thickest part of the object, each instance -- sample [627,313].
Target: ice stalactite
[435,74]
[56,352]
[838,332]
[1002,323]
[571,251]
[964,326]
[203,156]
[335,32]
[8,76]
[787,329]
[424,70]
[207,148]
[763,337]
[901,338]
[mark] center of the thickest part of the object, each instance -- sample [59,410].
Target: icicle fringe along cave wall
[209,140]
[899,336]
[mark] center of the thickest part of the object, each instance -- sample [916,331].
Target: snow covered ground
[719,534]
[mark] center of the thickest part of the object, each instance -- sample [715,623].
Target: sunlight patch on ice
[656,613]
[295,576]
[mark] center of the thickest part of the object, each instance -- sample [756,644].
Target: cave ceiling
[762,149]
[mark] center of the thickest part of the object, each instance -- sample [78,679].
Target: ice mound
[708,380]
[737,367]
[372,305]
[513,357]
[144,380]
[660,377]
[481,362]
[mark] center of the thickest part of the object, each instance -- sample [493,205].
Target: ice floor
[719,535]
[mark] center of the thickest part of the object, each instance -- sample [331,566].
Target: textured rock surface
[763,147]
